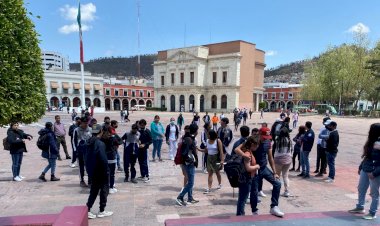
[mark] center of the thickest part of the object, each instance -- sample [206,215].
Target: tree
[22,86]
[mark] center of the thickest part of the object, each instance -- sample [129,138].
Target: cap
[96,128]
[278,120]
[265,133]
[328,122]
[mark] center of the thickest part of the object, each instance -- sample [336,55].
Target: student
[145,140]
[283,157]
[158,133]
[321,151]
[171,135]
[225,133]
[206,118]
[204,137]
[297,147]
[332,143]
[185,178]
[131,149]
[196,119]
[180,121]
[50,153]
[215,121]
[244,134]
[266,139]
[307,145]
[71,134]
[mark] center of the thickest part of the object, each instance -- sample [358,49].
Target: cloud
[359,28]
[271,53]
[67,29]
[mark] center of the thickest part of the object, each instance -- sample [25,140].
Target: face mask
[172,123]
[115,127]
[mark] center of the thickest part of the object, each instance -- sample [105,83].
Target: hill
[119,66]
[292,72]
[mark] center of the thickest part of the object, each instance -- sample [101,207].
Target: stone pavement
[151,203]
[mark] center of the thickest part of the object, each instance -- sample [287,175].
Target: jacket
[156,130]
[308,140]
[52,151]
[15,139]
[79,135]
[131,142]
[180,120]
[298,142]
[225,135]
[332,142]
[188,149]
[323,135]
[145,138]
[167,132]
[96,161]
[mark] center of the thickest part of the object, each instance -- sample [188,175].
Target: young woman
[283,157]
[369,171]
[158,134]
[204,137]
[50,153]
[215,159]
[297,147]
[171,134]
[180,121]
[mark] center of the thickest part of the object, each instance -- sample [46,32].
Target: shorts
[212,161]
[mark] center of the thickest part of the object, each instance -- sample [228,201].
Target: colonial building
[127,96]
[64,89]
[215,77]
[282,95]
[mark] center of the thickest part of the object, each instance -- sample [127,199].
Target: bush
[262,105]
[156,109]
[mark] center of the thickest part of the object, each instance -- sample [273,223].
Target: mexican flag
[80,35]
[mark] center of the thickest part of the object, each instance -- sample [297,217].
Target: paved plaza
[151,203]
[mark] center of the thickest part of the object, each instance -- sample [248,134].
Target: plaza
[152,203]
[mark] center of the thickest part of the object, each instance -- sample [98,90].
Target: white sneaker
[262,194]
[72,165]
[112,191]
[329,180]
[22,178]
[276,212]
[207,191]
[104,214]
[255,213]
[219,187]
[18,179]
[286,194]
[146,179]
[91,215]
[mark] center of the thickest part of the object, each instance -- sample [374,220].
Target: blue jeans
[118,159]
[374,193]
[157,148]
[331,162]
[362,189]
[305,162]
[268,175]
[16,164]
[52,165]
[244,190]
[190,170]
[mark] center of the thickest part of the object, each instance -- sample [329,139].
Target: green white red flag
[80,35]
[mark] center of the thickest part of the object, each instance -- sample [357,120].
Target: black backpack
[71,130]
[43,142]
[235,171]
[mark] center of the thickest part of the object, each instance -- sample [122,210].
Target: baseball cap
[330,122]
[96,128]
[265,133]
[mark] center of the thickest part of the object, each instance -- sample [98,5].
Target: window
[192,77]
[214,77]
[87,92]
[162,80]
[125,92]
[273,96]
[290,95]
[224,77]
[65,90]
[116,92]
[76,91]
[133,93]
[172,75]
[107,92]
[182,78]
[148,94]
[214,102]
[265,96]
[282,95]
[224,102]
[141,93]
[96,92]
[53,90]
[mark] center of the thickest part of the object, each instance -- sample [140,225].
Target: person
[80,137]
[283,157]
[98,171]
[297,148]
[158,133]
[248,147]
[250,113]
[190,162]
[282,115]
[254,131]
[113,126]
[92,111]
[307,145]
[369,171]
[244,134]
[122,116]
[332,143]
[215,121]
[245,116]
[50,153]
[131,149]
[275,130]
[237,120]
[145,140]
[262,113]
[73,115]
[321,151]
[225,134]
[171,135]
[68,110]
[180,121]
[204,137]
[196,119]
[265,138]
[106,121]
[206,118]
[71,134]
[126,115]
[215,159]
[183,168]
[263,155]
[60,133]
[16,138]
[295,119]
[221,116]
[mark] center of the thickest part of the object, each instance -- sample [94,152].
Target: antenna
[138,38]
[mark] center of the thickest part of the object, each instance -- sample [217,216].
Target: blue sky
[287,30]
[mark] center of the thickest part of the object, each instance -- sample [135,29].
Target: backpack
[6,144]
[278,129]
[71,130]
[43,142]
[178,156]
[235,171]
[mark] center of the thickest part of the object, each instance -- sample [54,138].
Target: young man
[206,118]
[307,145]
[262,113]
[332,143]
[60,133]
[250,113]
[97,169]
[145,140]
[114,124]
[80,137]
[71,134]
[131,150]
[321,151]
[215,121]
[225,134]
[245,116]
[244,134]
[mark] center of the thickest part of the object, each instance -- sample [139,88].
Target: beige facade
[215,77]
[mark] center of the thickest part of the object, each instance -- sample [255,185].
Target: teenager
[321,150]
[171,135]
[297,148]
[144,142]
[50,153]
[180,121]
[215,120]
[131,149]
[332,143]
[307,145]
[204,137]
[196,119]
[206,118]
[71,134]
[283,157]
[158,133]
[225,134]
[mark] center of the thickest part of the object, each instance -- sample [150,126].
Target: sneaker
[357,210]
[205,171]
[140,178]
[180,202]
[104,214]
[146,179]
[91,215]
[119,169]
[134,180]
[22,178]
[207,191]
[254,213]
[68,157]
[193,201]
[301,175]
[112,191]
[18,179]
[369,217]
[329,180]
[306,176]
[72,165]
[219,187]
[286,194]
[319,175]
[83,184]
[292,169]
[276,212]
[262,194]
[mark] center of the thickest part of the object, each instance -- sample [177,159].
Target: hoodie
[96,161]
[52,151]
[15,139]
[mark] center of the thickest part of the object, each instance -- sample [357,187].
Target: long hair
[373,136]
[283,142]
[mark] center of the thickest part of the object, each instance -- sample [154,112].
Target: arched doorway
[88,102]
[281,104]
[133,103]
[116,105]
[182,103]
[148,103]
[141,102]
[273,106]
[223,102]
[172,103]
[66,101]
[54,102]
[290,105]
[125,104]
[76,102]
[163,102]
[191,103]
[214,102]
[202,103]
[97,102]
[108,104]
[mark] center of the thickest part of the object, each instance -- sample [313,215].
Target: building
[215,77]
[282,95]
[54,61]
[119,97]
[64,89]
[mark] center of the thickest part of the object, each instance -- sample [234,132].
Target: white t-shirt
[172,132]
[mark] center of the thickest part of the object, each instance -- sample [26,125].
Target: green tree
[22,86]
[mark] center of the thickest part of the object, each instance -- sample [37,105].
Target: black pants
[321,159]
[112,167]
[295,154]
[81,165]
[98,188]
[143,162]
[129,160]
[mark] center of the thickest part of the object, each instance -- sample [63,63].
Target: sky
[287,30]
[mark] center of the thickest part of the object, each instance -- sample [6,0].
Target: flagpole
[83,103]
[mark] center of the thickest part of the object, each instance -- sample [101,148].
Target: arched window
[214,102]
[224,102]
